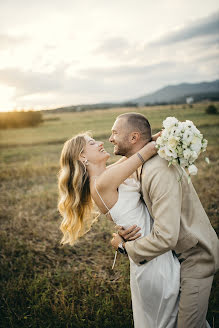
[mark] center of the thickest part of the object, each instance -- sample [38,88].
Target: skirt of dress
[155,292]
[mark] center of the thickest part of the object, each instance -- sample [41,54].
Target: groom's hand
[131,233]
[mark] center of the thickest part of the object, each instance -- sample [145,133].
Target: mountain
[179,93]
[170,94]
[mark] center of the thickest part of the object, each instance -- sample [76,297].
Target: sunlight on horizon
[102,51]
[6,96]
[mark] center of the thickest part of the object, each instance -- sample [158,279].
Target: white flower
[176,130]
[165,134]
[172,142]
[159,141]
[189,123]
[170,152]
[187,153]
[162,153]
[192,169]
[169,122]
[196,144]
[193,156]
[187,136]
[181,143]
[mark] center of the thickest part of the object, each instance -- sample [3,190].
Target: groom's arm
[164,190]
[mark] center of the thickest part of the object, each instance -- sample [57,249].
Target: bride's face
[94,151]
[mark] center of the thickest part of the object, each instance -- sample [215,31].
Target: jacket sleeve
[164,189]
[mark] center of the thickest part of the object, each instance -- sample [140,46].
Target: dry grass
[44,284]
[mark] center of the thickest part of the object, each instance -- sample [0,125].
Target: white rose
[173,141]
[170,152]
[169,122]
[187,136]
[193,156]
[195,130]
[159,141]
[192,169]
[196,139]
[187,153]
[196,145]
[165,134]
[161,152]
[189,123]
[176,131]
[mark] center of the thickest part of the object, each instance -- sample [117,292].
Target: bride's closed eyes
[92,142]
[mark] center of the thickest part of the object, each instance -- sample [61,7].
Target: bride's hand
[116,241]
[151,149]
[157,135]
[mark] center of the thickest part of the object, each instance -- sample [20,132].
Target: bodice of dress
[129,208]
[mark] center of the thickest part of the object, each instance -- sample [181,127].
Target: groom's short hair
[138,122]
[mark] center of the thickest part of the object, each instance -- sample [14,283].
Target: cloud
[124,71]
[206,26]
[90,62]
[116,48]
[28,83]
[31,82]
[97,84]
[8,41]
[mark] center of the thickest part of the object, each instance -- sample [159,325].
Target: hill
[179,93]
[175,94]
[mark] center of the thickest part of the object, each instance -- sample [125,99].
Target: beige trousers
[193,304]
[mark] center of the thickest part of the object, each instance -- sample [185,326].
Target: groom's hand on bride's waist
[130,233]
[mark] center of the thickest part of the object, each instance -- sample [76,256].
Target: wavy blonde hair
[75,202]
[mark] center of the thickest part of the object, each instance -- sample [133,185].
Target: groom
[180,222]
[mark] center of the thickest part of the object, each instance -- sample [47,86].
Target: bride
[84,178]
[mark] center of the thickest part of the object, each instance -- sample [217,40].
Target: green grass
[44,284]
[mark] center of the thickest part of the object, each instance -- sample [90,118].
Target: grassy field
[44,284]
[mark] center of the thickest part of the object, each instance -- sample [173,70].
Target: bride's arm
[154,138]
[115,175]
[117,162]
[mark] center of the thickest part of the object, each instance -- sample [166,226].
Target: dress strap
[95,186]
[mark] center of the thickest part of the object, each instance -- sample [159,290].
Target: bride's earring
[86,162]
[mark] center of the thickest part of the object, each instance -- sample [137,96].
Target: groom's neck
[136,147]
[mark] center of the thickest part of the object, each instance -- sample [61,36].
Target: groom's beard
[121,149]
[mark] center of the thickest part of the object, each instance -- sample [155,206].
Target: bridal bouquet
[181,143]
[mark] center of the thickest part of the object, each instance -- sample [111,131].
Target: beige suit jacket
[180,222]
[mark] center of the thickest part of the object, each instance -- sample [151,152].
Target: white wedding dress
[155,284]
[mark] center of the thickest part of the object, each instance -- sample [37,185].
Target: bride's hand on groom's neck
[156,135]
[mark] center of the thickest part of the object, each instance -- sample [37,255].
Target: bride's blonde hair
[75,202]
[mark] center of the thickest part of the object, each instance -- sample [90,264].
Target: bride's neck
[96,170]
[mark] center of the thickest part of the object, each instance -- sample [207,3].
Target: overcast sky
[67,52]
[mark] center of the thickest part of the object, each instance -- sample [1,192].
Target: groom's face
[120,137]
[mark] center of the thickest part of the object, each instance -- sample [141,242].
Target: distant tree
[20,119]
[130,104]
[211,109]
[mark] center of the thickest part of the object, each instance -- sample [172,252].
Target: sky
[57,53]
